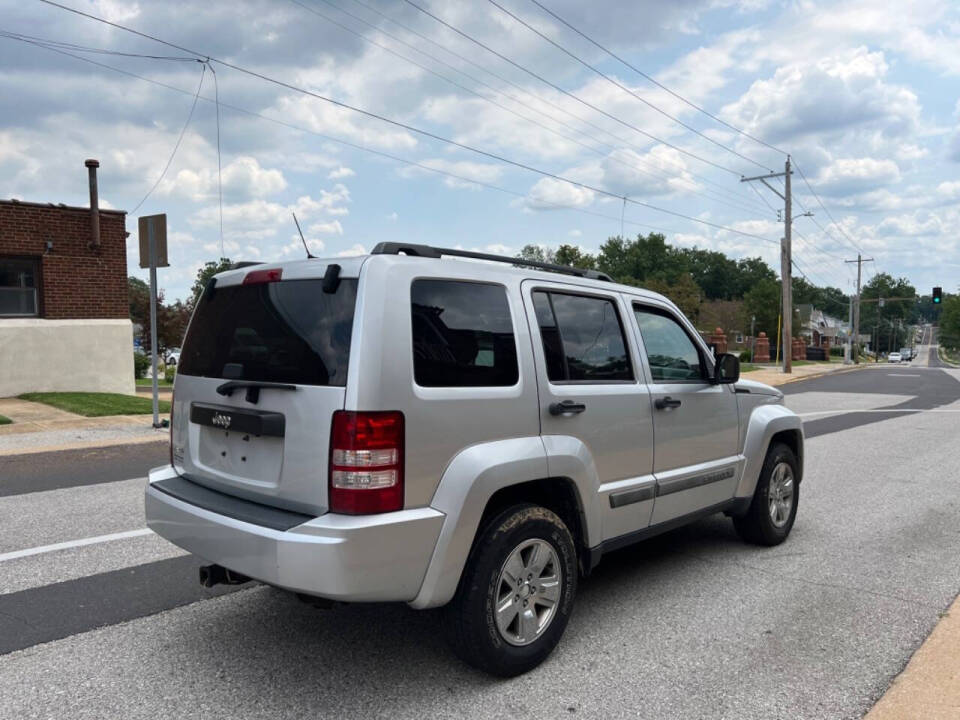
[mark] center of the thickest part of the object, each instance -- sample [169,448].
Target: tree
[950,322]
[751,271]
[684,293]
[717,274]
[763,303]
[573,256]
[204,274]
[888,324]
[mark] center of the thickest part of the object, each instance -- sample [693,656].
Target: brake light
[366,462]
[255,277]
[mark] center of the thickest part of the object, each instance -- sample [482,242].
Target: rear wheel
[516,593]
[774,507]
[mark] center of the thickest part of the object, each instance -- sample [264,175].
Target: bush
[170,373]
[836,351]
[140,364]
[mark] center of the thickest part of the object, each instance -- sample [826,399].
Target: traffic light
[937,295]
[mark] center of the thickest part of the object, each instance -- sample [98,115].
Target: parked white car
[894,357]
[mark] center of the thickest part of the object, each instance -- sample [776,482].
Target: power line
[720,188]
[594,150]
[372,151]
[660,85]
[835,223]
[568,93]
[405,126]
[203,72]
[216,91]
[612,157]
[623,87]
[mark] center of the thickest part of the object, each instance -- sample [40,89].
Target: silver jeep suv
[417,426]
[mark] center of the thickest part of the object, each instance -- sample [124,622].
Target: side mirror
[726,370]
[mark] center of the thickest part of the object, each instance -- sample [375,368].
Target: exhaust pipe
[211,575]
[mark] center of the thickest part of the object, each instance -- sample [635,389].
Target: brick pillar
[761,352]
[799,349]
[720,340]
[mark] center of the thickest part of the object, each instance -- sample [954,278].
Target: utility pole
[856,312]
[848,359]
[786,259]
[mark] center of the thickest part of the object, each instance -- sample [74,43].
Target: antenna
[309,254]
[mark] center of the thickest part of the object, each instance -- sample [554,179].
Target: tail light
[257,277]
[171,429]
[366,462]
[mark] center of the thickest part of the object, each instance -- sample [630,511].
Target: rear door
[263,368]
[696,423]
[590,391]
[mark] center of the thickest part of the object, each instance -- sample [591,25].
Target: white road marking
[16,554]
[887,410]
[906,375]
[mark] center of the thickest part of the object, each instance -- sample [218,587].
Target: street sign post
[153,254]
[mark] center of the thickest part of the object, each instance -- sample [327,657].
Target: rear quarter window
[462,335]
[289,331]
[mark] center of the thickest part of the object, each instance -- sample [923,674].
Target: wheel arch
[472,491]
[768,424]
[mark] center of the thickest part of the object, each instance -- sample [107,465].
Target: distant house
[821,330]
[64,306]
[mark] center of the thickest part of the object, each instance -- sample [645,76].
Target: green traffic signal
[937,296]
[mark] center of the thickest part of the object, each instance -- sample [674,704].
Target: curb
[90,444]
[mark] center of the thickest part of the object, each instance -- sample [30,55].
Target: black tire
[469,620]
[757,525]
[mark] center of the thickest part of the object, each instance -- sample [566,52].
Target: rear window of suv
[289,331]
[462,335]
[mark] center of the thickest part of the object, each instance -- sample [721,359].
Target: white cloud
[326,228]
[550,194]
[392,217]
[846,175]
[575,233]
[340,173]
[828,94]
[466,169]
[353,251]
[242,178]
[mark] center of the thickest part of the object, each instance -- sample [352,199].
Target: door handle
[567,407]
[666,402]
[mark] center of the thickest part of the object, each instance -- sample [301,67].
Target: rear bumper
[368,558]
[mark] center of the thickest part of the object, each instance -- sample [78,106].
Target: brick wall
[76,281]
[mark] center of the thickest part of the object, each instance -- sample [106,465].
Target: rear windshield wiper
[253,388]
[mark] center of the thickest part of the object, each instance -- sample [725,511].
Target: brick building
[64,308]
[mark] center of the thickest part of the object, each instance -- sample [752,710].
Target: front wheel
[774,507]
[516,593]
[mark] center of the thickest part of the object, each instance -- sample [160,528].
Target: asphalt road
[693,624]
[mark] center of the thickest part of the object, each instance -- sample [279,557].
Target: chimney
[92,166]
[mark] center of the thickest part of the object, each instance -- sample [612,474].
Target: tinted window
[582,338]
[670,351]
[289,331]
[462,335]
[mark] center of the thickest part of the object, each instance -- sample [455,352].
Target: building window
[19,296]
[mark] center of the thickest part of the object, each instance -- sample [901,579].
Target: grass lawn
[4,420]
[147,382]
[92,404]
[748,367]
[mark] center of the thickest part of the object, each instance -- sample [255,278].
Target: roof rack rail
[428,251]
[245,263]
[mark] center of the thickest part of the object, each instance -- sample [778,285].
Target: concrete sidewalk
[38,427]
[774,376]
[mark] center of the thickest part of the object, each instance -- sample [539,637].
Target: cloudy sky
[864,93]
